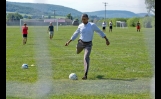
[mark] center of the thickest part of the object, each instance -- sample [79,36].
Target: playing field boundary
[46,86]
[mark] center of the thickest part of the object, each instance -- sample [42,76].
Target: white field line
[150,42]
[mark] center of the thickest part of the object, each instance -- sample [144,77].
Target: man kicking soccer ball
[86,31]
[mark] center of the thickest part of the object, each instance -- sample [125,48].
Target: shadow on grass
[102,77]
[56,39]
[32,44]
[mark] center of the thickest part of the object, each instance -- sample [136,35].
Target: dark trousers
[87,46]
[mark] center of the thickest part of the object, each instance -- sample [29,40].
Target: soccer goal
[38,22]
[121,24]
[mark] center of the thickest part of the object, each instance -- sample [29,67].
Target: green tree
[153,22]
[77,19]
[150,5]
[69,16]
[147,22]
[29,17]
[25,16]
[131,22]
[49,16]
[14,16]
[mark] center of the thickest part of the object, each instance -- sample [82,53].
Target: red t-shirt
[24,30]
[138,26]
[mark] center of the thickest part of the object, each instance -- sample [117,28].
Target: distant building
[61,21]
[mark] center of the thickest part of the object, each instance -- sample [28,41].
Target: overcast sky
[136,6]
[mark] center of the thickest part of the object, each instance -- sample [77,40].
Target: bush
[131,22]
[148,22]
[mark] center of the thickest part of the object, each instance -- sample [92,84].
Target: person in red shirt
[138,26]
[24,33]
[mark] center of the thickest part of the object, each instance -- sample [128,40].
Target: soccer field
[122,70]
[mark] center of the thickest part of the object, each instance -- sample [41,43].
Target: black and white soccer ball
[73,76]
[24,66]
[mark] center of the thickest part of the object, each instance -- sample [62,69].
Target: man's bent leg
[79,47]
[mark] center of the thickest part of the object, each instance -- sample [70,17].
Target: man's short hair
[24,24]
[84,15]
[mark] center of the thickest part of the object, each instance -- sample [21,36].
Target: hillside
[44,8]
[48,9]
[22,9]
[113,14]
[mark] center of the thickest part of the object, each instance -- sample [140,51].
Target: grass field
[122,70]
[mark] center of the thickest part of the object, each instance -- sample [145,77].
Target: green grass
[122,70]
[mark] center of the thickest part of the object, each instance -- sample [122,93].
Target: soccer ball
[73,76]
[24,66]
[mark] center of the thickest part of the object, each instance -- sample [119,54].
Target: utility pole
[54,14]
[42,16]
[105,9]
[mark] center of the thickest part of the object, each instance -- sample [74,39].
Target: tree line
[146,21]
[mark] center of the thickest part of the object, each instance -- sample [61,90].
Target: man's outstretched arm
[107,41]
[67,43]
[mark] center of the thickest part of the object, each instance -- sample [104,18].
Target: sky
[136,6]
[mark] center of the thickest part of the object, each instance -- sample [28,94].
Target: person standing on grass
[104,26]
[138,26]
[86,31]
[110,26]
[24,33]
[51,30]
